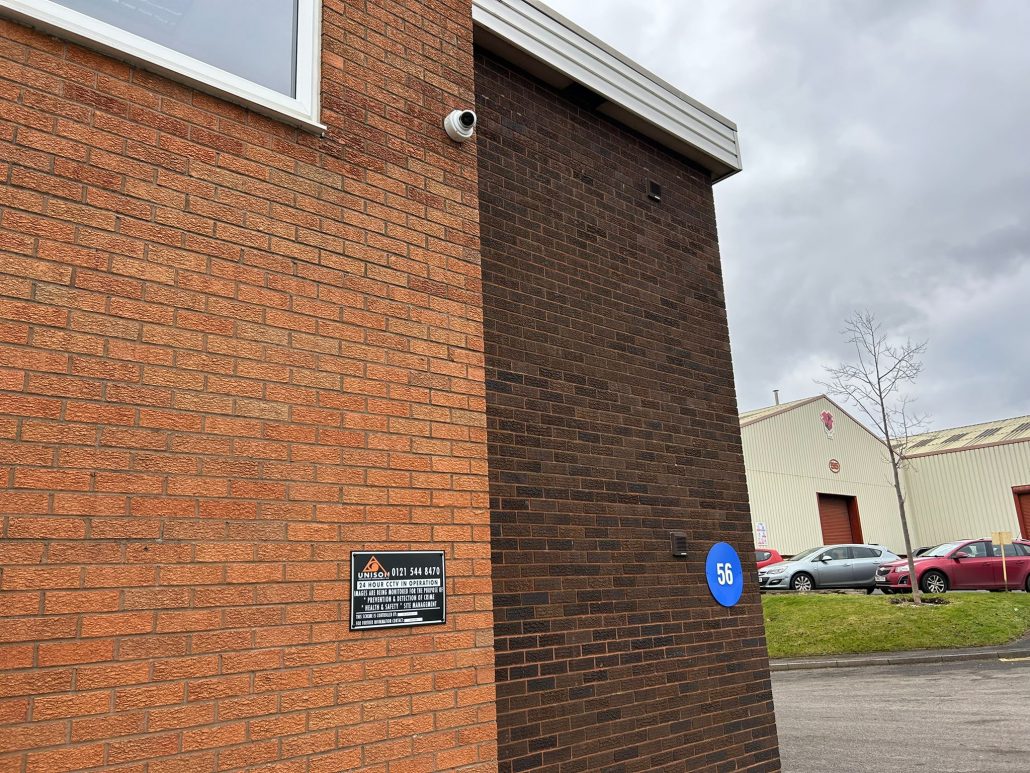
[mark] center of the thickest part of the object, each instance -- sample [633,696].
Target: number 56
[724,573]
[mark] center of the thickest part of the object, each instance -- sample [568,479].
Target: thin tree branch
[874,384]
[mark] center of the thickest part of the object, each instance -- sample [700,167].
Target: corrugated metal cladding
[952,490]
[788,458]
[969,493]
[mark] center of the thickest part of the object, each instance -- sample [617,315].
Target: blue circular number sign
[725,575]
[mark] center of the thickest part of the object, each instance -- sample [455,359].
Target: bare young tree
[873,383]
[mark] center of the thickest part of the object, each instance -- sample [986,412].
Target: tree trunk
[916,593]
[895,464]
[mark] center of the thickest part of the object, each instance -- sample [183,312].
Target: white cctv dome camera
[460,124]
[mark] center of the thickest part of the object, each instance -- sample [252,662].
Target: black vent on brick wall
[678,539]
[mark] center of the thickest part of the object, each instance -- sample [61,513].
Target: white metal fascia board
[559,44]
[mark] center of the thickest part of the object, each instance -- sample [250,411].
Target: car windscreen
[805,554]
[940,550]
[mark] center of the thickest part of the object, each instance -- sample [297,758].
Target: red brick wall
[230,353]
[612,421]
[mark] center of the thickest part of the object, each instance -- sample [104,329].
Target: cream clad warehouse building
[971,481]
[816,476]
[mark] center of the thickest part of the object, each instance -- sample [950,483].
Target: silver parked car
[829,566]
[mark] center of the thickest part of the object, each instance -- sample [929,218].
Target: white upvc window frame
[302,111]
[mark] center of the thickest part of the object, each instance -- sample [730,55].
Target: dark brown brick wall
[612,420]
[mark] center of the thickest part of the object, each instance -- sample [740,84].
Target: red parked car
[765,556]
[965,565]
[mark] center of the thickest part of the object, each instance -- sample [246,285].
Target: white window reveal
[260,53]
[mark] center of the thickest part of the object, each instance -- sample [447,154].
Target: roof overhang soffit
[552,48]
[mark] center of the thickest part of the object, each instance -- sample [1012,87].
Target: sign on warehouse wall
[761,535]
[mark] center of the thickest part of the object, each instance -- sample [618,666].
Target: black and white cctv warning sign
[393,588]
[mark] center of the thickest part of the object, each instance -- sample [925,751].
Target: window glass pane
[977,549]
[864,552]
[254,39]
[1011,550]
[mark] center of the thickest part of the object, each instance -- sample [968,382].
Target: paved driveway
[969,717]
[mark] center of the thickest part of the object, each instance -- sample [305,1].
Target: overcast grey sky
[886,149]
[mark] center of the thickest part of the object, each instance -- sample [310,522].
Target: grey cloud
[885,168]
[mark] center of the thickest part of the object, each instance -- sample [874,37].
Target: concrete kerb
[902,658]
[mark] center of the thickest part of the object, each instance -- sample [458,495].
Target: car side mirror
[824,559]
[960,554]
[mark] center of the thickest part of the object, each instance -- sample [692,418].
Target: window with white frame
[262,53]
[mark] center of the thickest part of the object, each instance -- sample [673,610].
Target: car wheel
[934,582]
[1028,583]
[887,591]
[802,582]
[870,591]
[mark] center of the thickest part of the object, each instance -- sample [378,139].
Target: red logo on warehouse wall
[827,419]
[834,466]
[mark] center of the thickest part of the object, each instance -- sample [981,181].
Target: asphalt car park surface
[954,718]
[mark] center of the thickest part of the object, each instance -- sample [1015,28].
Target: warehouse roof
[761,414]
[990,433]
[750,417]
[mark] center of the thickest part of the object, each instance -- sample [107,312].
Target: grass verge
[798,625]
